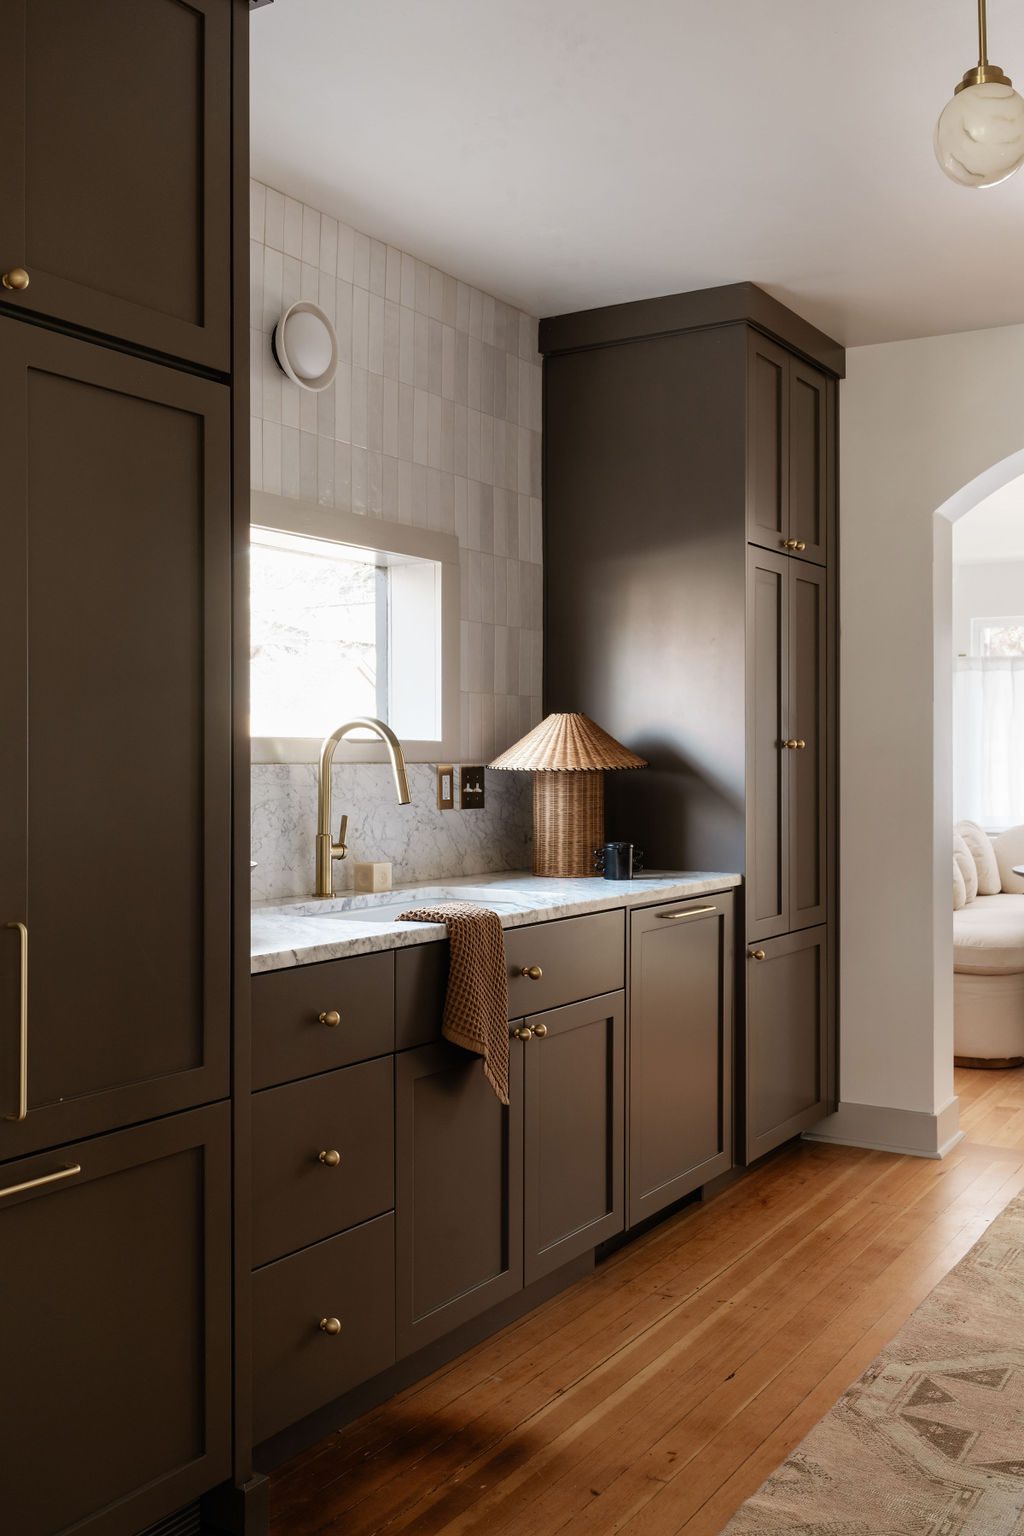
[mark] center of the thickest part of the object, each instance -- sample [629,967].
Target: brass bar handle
[540,1030]
[756,954]
[47,1178]
[16,279]
[531,972]
[332,1018]
[692,912]
[331,1325]
[22,1110]
[330,1159]
[524,1032]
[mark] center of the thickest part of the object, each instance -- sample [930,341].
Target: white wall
[919,421]
[984,590]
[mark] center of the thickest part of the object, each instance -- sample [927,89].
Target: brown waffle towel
[476,1007]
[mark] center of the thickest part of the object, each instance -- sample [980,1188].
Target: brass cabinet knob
[16,278]
[532,972]
[789,543]
[540,1030]
[330,1159]
[757,954]
[524,1032]
[800,745]
[799,545]
[331,1019]
[331,1325]
[790,745]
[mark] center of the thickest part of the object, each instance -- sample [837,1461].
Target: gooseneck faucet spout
[326,849]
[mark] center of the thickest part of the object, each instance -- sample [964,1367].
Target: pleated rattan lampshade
[567,754]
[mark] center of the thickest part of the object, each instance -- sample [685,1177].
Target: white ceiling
[994,529]
[568,153]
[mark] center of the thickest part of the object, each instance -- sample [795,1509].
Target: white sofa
[988,948]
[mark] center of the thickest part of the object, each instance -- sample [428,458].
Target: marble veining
[421,842]
[304,932]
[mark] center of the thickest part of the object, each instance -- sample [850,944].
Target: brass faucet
[327,850]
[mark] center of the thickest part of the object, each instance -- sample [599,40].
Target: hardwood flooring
[654,1396]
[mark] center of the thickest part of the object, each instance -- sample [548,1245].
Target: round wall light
[305,346]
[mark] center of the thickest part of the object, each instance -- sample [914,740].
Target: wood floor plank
[655,1395]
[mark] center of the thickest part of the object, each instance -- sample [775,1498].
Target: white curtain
[988,740]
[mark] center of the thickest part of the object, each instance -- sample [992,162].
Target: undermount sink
[393,910]
[366,909]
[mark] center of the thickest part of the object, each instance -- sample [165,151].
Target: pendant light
[979,139]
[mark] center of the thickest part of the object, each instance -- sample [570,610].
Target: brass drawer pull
[16,279]
[532,972]
[330,1159]
[47,1178]
[524,1032]
[332,1019]
[540,1030]
[331,1325]
[757,954]
[692,912]
[22,1109]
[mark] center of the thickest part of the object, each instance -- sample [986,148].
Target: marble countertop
[303,932]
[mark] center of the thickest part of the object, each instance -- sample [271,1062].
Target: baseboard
[882,1128]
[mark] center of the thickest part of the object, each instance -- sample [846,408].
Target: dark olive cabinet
[115,1327]
[787,745]
[459,1191]
[573,1143]
[690,569]
[115,180]
[788,451]
[115,697]
[680,1050]
[787,1054]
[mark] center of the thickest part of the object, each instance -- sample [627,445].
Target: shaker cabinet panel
[459,1191]
[768,854]
[115,1327]
[680,1051]
[767,442]
[808,460]
[573,1129]
[787,1024]
[115,737]
[807,763]
[115,178]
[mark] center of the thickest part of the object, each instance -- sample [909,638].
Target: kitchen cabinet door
[786,1038]
[680,1050]
[116,175]
[806,764]
[115,1327]
[458,1194]
[768,688]
[573,1128]
[115,738]
[807,524]
[768,403]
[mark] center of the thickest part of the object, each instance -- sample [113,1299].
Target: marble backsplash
[421,842]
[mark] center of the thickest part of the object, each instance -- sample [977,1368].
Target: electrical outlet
[471,789]
[445,787]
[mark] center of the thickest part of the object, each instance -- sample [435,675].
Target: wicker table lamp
[567,755]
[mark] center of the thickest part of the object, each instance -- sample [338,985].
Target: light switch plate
[445,787]
[471,789]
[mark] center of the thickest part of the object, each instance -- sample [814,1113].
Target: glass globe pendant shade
[979,138]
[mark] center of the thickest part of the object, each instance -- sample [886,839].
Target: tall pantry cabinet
[690,571]
[122,834]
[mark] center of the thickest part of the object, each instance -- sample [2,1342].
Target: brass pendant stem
[982,34]
[983,72]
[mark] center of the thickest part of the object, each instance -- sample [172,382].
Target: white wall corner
[883,1129]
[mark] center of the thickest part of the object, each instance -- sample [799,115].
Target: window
[997,637]
[341,628]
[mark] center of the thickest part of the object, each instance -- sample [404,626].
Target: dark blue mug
[618,861]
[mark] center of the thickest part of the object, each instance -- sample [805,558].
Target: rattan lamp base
[568,822]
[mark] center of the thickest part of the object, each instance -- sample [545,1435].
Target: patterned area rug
[930,1440]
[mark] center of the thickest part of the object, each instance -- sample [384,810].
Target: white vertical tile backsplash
[434,420]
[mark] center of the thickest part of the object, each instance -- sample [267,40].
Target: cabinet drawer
[298,1365]
[300,1193]
[292,1033]
[578,957]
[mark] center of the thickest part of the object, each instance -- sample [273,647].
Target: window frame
[333,523]
[991,621]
